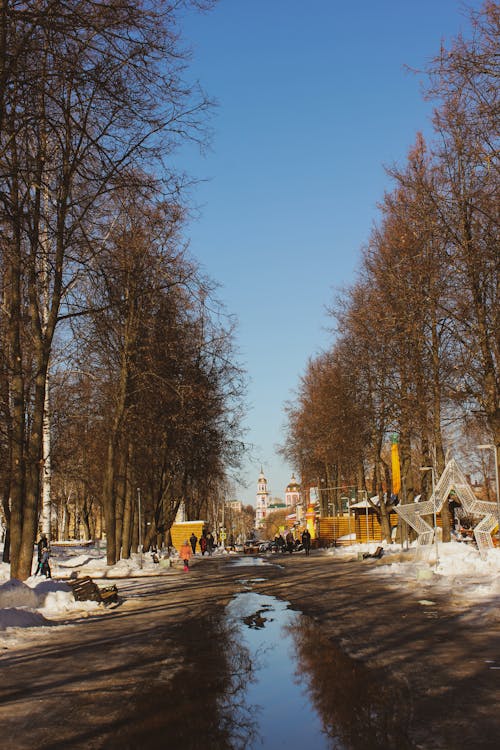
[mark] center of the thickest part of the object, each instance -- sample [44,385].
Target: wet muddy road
[216,658]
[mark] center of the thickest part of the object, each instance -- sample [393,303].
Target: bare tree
[89,89]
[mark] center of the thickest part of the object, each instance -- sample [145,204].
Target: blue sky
[313,100]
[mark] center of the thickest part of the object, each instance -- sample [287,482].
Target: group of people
[188,549]
[206,542]
[291,544]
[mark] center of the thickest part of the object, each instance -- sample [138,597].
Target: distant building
[263,500]
[265,504]
[235,505]
[276,503]
[292,493]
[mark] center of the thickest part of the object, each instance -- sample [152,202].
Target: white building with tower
[265,504]
[263,500]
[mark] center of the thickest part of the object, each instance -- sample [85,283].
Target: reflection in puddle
[360,708]
[255,677]
[249,561]
[274,698]
[304,691]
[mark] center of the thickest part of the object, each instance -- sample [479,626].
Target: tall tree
[89,89]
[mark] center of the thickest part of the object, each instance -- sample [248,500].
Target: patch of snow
[15,593]
[15,617]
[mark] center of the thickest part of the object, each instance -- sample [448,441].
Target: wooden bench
[85,589]
[377,554]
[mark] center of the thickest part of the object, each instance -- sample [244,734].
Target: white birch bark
[46,464]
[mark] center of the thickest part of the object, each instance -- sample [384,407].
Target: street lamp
[494,448]
[431,469]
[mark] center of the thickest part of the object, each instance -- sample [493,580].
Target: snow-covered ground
[471,582]
[39,603]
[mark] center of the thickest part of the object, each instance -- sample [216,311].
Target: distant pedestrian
[185,553]
[203,544]
[290,542]
[306,541]
[210,542]
[41,545]
[44,563]
[193,539]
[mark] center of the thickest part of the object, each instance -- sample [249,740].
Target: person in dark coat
[44,564]
[210,542]
[306,541]
[290,542]
[193,539]
[41,545]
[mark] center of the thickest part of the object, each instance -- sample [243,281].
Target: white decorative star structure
[452,478]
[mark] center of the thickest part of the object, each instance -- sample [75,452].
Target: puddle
[258,676]
[249,582]
[249,561]
[274,700]
[303,692]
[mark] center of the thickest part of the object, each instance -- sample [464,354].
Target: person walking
[210,543]
[203,544]
[185,553]
[290,542]
[44,563]
[306,540]
[193,539]
[41,545]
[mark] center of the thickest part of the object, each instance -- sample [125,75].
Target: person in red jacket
[185,553]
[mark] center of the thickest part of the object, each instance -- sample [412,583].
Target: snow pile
[20,618]
[75,562]
[24,605]
[40,602]
[28,604]
[14,593]
[97,567]
[65,562]
[456,558]
[460,571]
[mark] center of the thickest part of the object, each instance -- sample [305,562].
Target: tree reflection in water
[226,681]
[359,709]
[195,697]
[238,720]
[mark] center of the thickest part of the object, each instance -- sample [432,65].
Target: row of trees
[417,345]
[117,366]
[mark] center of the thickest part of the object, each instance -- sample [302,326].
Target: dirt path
[444,653]
[155,668]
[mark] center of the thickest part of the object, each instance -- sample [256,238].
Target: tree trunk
[46,467]
[18,411]
[127,522]
[109,497]
[120,500]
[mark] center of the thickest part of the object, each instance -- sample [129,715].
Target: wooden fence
[365,527]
